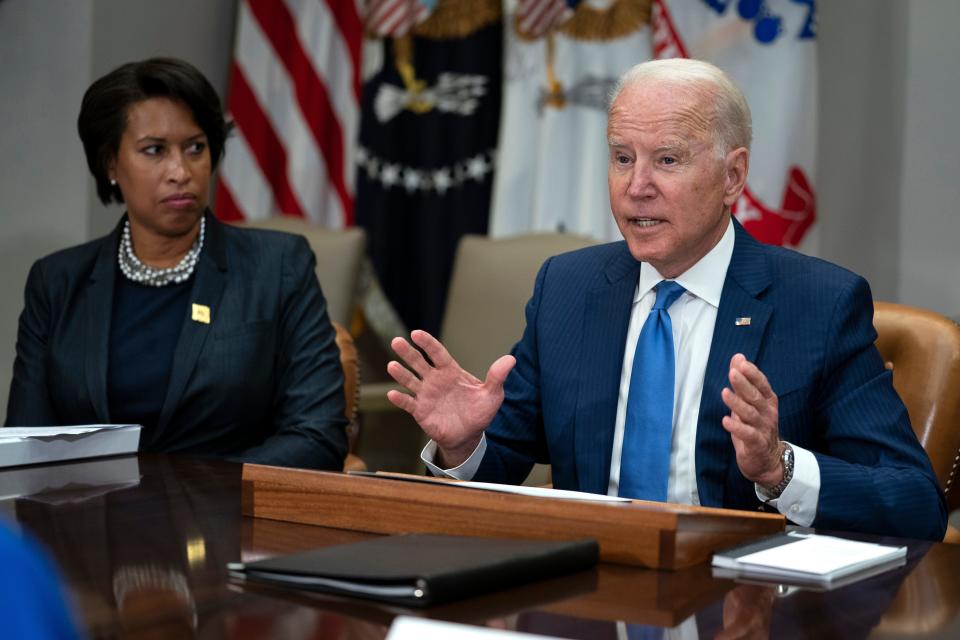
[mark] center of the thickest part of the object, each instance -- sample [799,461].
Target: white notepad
[809,558]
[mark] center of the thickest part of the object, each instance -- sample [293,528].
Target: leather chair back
[922,349]
[351,392]
[491,282]
[339,253]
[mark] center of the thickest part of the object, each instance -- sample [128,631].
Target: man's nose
[641,182]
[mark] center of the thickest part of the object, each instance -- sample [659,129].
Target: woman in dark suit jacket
[215,339]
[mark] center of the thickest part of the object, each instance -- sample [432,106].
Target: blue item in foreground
[32,605]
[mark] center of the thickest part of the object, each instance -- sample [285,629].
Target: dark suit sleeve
[29,400]
[874,475]
[308,396]
[515,437]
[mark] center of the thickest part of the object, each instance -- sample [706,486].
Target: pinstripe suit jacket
[261,382]
[811,334]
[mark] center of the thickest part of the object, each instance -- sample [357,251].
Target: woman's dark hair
[103,112]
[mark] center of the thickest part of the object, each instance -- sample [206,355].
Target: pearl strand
[135,270]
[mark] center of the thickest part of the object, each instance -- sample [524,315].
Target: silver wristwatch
[787,459]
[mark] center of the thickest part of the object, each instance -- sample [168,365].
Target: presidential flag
[427,142]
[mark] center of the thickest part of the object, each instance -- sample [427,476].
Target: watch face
[787,466]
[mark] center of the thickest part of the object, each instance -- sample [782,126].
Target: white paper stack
[410,628]
[808,559]
[33,445]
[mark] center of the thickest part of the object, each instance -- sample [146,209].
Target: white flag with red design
[768,47]
[294,96]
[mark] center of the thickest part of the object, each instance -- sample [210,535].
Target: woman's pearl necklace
[135,270]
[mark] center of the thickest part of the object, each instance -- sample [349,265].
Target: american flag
[294,96]
[396,18]
[537,17]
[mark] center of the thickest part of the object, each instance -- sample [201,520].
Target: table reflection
[143,546]
[138,557]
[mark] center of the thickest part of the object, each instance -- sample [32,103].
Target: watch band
[786,458]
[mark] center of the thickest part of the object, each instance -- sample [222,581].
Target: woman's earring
[113,182]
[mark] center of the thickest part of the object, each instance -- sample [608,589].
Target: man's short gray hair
[731,118]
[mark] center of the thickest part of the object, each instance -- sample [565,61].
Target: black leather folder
[420,569]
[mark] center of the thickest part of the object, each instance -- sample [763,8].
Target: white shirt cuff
[798,502]
[466,470]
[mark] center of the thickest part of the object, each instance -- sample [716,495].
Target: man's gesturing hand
[451,405]
[753,423]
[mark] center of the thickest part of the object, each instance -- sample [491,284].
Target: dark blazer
[261,382]
[811,333]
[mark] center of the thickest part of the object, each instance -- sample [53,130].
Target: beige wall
[889,146]
[860,116]
[43,186]
[929,213]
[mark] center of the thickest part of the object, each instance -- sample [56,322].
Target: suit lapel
[99,305]
[605,324]
[747,277]
[210,280]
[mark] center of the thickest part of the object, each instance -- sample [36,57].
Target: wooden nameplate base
[649,534]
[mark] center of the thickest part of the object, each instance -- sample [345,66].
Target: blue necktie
[643,632]
[648,429]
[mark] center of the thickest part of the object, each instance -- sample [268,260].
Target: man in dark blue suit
[779,397]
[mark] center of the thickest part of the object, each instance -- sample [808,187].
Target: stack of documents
[409,628]
[808,559]
[33,445]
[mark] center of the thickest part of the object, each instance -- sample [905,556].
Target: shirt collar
[703,280]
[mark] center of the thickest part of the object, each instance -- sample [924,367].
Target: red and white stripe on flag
[537,17]
[769,49]
[295,99]
[394,18]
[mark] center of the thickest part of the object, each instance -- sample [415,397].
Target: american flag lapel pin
[742,322]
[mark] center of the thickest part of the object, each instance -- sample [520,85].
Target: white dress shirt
[693,316]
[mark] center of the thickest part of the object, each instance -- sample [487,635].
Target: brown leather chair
[351,392]
[922,349]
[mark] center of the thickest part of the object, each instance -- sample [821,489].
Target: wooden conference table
[142,544]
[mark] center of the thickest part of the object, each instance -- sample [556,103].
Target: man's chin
[642,251]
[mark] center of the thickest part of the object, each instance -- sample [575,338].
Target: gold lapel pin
[742,322]
[200,313]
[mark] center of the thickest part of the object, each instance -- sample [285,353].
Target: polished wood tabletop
[142,544]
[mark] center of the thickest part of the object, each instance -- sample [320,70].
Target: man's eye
[622,159]
[668,160]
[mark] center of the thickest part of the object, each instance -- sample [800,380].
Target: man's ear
[735,167]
